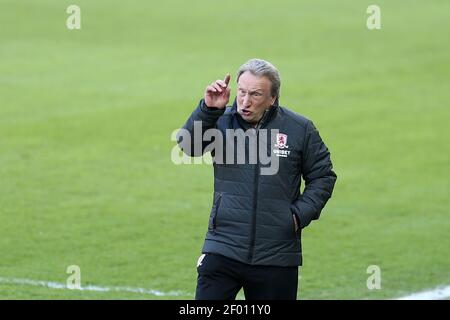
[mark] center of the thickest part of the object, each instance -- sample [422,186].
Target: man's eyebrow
[252,91]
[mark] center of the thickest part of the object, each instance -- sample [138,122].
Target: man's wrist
[205,108]
[213,108]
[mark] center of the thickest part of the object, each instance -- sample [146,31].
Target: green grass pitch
[86,116]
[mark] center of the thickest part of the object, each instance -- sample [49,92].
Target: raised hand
[217,94]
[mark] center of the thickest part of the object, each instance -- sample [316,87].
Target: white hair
[259,67]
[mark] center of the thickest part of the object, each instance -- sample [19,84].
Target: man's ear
[274,101]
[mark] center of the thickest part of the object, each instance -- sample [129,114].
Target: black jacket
[251,217]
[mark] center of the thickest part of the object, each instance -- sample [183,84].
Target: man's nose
[247,101]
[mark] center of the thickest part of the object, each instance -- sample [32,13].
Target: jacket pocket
[299,228]
[215,211]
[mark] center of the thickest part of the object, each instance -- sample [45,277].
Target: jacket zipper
[255,192]
[216,211]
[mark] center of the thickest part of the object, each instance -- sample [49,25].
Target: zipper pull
[261,122]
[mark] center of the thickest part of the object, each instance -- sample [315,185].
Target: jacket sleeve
[189,138]
[317,171]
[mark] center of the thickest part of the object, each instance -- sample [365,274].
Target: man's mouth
[246,112]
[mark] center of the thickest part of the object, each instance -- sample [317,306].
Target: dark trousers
[221,278]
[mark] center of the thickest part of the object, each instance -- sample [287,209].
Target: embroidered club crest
[281,141]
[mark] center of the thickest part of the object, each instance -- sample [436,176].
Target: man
[254,234]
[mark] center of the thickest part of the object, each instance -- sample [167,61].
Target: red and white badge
[282,141]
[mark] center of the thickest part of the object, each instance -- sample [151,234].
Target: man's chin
[247,118]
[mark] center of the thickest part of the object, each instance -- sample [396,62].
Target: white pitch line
[59,285]
[438,293]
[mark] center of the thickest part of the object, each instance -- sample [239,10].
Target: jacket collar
[267,117]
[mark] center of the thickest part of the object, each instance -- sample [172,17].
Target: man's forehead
[251,82]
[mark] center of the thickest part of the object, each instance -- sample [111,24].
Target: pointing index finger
[227,78]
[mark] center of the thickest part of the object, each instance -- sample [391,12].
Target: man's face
[253,96]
